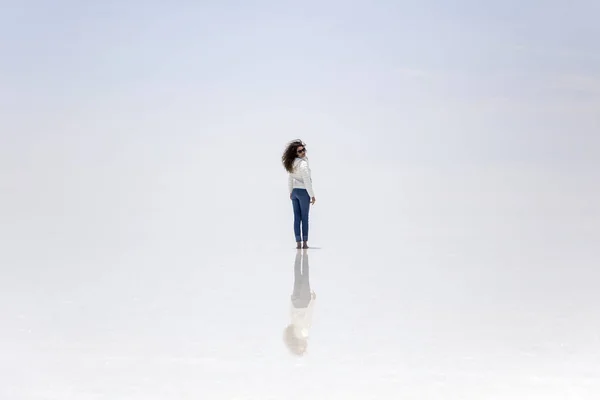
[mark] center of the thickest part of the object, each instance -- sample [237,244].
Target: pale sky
[428,82]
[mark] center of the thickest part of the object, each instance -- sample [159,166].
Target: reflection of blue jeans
[301,204]
[301,296]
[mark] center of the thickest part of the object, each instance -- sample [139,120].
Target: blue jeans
[301,204]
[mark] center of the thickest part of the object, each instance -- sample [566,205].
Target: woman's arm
[305,172]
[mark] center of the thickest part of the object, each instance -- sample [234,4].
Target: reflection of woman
[296,334]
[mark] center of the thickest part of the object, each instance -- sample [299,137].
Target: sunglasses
[302,151]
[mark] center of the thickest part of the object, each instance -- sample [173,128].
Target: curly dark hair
[290,154]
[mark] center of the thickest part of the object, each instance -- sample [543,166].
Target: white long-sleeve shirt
[301,177]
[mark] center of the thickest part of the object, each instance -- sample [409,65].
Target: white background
[146,243]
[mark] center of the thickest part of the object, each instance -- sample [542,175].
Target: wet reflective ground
[491,298]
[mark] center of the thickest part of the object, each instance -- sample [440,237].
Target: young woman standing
[300,188]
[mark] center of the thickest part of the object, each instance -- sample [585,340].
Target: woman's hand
[312,201]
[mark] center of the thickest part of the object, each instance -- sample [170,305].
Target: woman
[300,188]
